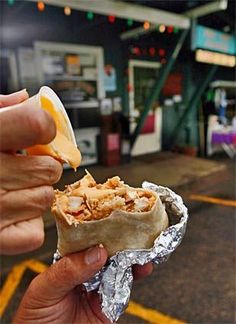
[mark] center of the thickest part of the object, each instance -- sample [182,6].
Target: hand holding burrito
[56,295]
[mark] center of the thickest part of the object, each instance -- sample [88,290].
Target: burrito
[113,214]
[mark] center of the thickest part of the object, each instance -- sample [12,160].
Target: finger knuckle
[37,238]
[41,127]
[54,170]
[61,271]
[67,269]
[40,199]
[4,203]
[30,242]
[36,125]
[47,196]
[65,266]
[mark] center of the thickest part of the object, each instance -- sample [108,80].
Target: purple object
[216,138]
[233,134]
[220,138]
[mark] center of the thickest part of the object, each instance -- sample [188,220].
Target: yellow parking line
[36,266]
[213,200]
[10,286]
[16,274]
[150,315]
[14,278]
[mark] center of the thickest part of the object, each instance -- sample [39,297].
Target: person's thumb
[65,275]
[13,98]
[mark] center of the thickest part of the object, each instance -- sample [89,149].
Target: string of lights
[111,19]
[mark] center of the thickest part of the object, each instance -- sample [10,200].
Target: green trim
[154,96]
[193,102]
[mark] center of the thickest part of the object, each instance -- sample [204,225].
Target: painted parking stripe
[150,315]
[213,200]
[10,286]
[14,277]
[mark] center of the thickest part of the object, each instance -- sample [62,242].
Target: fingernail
[92,255]
[21,91]
[21,94]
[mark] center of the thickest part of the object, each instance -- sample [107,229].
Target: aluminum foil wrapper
[114,281]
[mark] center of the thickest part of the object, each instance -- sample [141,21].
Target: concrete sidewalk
[164,168]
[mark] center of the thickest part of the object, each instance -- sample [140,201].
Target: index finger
[13,98]
[140,272]
[24,125]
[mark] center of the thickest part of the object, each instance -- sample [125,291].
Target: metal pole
[200,88]
[158,86]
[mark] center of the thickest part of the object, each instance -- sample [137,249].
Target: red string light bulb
[136,51]
[152,51]
[111,19]
[170,29]
[161,52]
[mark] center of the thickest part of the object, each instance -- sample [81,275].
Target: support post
[155,93]
[196,96]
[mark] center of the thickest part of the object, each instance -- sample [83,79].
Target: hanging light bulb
[136,51]
[162,28]
[176,30]
[111,19]
[170,29]
[41,6]
[152,51]
[146,25]
[67,11]
[130,22]
[90,15]
[161,52]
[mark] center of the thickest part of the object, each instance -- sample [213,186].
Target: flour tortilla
[119,231]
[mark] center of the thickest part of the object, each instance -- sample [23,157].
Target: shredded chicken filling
[86,200]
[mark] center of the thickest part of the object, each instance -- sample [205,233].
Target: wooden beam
[207,9]
[137,32]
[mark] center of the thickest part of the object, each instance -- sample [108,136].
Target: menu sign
[214,40]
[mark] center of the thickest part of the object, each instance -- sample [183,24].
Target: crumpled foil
[114,281]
